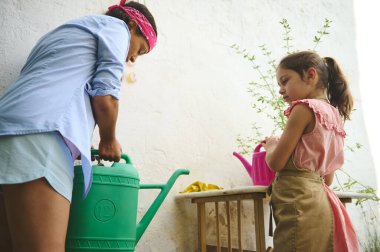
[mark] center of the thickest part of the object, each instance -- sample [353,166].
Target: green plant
[372,240]
[267,102]
[352,184]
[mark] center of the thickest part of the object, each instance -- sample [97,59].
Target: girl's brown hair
[330,76]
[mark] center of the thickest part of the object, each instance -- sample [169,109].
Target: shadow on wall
[186,238]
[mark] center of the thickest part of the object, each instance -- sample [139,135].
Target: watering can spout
[244,161]
[165,188]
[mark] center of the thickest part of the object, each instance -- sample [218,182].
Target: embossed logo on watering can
[104,210]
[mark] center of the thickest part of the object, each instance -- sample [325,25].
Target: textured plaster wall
[190,101]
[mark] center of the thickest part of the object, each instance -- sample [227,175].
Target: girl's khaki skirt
[302,212]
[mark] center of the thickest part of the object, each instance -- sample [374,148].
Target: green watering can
[106,219]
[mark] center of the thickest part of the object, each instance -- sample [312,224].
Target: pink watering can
[259,171]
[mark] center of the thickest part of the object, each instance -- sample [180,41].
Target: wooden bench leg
[201,227]
[259,225]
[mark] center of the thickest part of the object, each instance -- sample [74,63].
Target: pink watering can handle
[258,147]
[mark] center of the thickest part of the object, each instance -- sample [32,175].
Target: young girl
[70,82]
[308,214]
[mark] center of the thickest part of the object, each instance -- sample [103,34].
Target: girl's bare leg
[5,237]
[37,216]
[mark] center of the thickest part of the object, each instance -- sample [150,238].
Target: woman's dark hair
[330,76]
[120,14]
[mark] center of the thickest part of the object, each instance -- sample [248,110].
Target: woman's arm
[105,110]
[279,151]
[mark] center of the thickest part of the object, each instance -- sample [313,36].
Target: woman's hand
[105,110]
[110,150]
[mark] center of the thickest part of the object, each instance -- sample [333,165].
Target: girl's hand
[270,143]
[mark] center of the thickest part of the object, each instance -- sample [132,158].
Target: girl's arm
[329,178]
[279,152]
[105,110]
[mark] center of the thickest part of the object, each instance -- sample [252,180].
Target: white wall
[368,37]
[190,101]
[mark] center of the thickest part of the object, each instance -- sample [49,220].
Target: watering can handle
[95,152]
[258,147]
[165,188]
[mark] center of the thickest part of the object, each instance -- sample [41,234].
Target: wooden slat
[228,226]
[239,225]
[218,248]
[201,227]
[212,248]
[345,200]
[230,197]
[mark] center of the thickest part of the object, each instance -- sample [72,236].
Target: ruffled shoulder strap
[327,115]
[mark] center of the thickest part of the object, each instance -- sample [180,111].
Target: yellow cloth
[199,186]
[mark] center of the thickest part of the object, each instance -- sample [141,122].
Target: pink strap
[141,21]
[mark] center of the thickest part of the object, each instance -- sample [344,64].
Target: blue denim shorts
[29,157]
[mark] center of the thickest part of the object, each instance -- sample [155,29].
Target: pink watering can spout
[245,163]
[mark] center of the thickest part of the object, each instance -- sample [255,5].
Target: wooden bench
[255,193]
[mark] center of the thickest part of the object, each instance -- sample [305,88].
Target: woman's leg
[37,216]
[5,237]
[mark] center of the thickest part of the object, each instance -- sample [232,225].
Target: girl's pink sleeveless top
[322,150]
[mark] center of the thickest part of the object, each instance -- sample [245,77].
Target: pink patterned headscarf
[141,21]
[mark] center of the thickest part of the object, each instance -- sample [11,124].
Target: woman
[70,82]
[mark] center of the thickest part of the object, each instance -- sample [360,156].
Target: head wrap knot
[141,21]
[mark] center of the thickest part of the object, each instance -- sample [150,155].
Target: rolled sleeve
[113,45]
